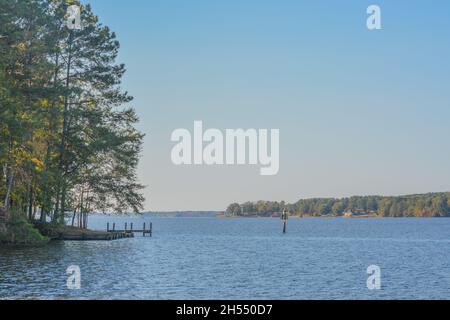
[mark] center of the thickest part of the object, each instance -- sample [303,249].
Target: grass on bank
[18,231]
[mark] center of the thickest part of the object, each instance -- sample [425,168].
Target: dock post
[143,230]
[114,226]
[284,216]
[107,227]
[131,226]
[125,227]
[151,228]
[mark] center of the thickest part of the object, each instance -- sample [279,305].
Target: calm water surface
[212,258]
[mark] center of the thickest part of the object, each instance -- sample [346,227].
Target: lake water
[242,258]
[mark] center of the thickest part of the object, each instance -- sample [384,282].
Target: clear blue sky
[360,112]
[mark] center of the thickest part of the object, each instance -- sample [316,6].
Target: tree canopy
[67,139]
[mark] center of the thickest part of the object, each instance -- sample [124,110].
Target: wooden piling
[128,231]
[284,217]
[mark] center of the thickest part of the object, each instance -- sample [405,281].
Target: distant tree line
[419,205]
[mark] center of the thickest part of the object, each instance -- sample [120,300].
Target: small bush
[20,231]
[51,230]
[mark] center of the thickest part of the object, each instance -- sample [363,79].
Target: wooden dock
[90,235]
[77,234]
[130,230]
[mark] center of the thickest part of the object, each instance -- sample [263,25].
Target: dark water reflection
[208,258]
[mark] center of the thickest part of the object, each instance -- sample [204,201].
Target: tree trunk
[64,134]
[10,182]
[43,215]
[34,213]
[50,142]
[30,205]
[80,218]
[73,217]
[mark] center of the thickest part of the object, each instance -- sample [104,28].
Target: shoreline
[300,216]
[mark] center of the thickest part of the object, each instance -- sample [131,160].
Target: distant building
[359,213]
[348,214]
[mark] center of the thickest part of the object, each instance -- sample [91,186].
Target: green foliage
[234,208]
[19,231]
[67,142]
[50,230]
[421,205]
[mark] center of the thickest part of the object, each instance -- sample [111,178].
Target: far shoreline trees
[419,205]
